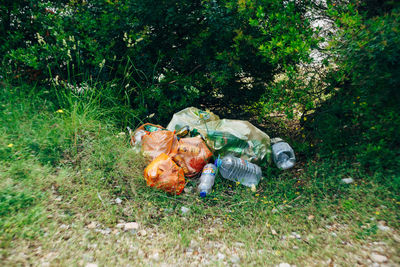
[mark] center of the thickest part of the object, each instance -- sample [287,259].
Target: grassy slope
[60,177]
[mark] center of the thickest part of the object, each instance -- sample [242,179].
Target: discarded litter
[207,179]
[283,154]
[194,138]
[239,170]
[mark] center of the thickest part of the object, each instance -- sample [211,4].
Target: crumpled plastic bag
[155,143]
[152,140]
[163,173]
[192,155]
[236,137]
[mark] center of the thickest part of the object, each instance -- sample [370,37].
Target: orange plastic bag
[192,154]
[164,174]
[137,135]
[159,142]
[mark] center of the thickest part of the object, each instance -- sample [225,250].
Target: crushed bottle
[283,155]
[239,170]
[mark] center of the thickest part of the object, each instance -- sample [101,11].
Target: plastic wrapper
[140,132]
[163,173]
[235,137]
[192,155]
[155,143]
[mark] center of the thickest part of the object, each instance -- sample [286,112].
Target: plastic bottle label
[209,170]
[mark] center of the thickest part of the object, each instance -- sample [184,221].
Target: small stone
[295,247]
[273,232]
[91,265]
[118,200]
[383,228]
[239,244]
[59,198]
[188,189]
[142,233]
[284,264]
[296,235]
[274,210]
[334,234]
[347,180]
[310,217]
[378,258]
[235,259]
[184,210]
[92,225]
[220,256]
[155,256]
[131,226]
[120,225]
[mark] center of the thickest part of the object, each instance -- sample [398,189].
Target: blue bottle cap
[203,194]
[217,162]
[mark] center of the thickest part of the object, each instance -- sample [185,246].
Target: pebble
[310,217]
[118,200]
[92,225]
[131,226]
[378,258]
[142,233]
[296,235]
[184,210]
[155,256]
[220,256]
[91,265]
[347,180]
[284,264]
[235,259]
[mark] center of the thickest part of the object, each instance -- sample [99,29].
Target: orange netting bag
[164,174]
[192,154]
[159,142]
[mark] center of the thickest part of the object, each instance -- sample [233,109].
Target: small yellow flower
[10,145]
[398,202]
[303,136]
[312,145]
[354,103]
[377,212]
[215,198]
[237,183]
[297,193]
[277,252]
[358,97]
[268,225]
[257,195]
[89,169]
[305,118]
[60,111]
[284,201]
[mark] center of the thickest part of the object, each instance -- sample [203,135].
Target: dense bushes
[164,55]
[361,117]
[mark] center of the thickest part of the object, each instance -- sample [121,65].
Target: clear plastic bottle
[239,170]
[207,179]
[283,155]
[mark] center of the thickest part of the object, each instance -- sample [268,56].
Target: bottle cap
[217,162]
[203,194]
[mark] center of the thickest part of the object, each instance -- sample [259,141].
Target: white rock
[120,225]
[91,265]
[235,259]
[378,258]
[92,225]
[334,234]
[284,264]
[118,200]
[184,210]
[347,180]
[131,226]
[383,227]
[220,256]
[296,235]
[155,256]
[142,233]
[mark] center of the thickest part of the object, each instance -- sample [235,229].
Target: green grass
[60,172]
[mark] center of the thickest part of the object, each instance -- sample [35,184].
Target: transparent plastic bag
[235,137]
[163,173]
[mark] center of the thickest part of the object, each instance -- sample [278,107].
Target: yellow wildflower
[10,145]
[377,212]
[60,111]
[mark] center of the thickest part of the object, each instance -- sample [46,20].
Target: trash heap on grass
[194,138]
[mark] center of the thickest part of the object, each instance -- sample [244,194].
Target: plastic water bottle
[239,170]
[207,179]
[283,155]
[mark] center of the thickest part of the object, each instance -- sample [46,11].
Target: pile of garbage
[194,138]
